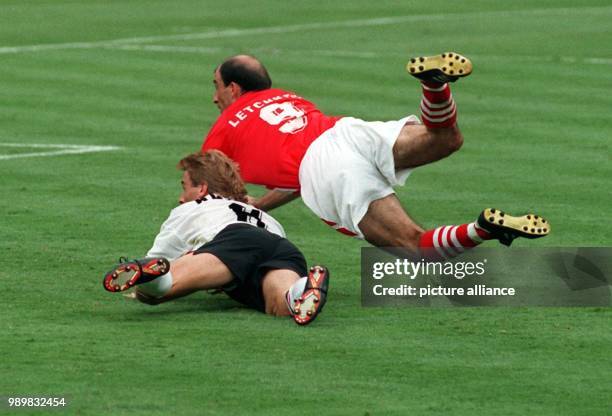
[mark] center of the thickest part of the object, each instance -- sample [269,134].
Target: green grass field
[137,75]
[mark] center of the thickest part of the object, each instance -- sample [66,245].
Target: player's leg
[387,225]
[288,294]
[418,145]
[159,281]
[288,288]
[439,136]
[275,286]
[188,274]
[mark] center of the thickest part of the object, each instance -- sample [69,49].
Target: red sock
[449,241]
[438,109]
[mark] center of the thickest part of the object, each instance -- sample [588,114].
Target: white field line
[228,33]
[164,48]
[208,51]
[350,54]
[64,149]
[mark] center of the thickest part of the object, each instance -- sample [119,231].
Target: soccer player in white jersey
[215,240]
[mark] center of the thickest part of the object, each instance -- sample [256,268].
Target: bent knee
[456,141]
[451,140]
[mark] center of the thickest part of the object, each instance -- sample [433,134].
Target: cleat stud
[450,63]
[539,230]
[525,228]
[528,217]
[309,313]
[443,55]
[450,55]
[413,60]
[461,71]
[533,230]
[421,59]
[492,210]
[116,287]
[411,69]
[316,300]
[501,222]
[545,230]
[543,220]
[444,68]
[463,61]
[491,219]
[421,68]
[535,217]
[457,57]
[452,72]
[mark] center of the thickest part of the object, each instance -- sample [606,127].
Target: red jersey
[267,133]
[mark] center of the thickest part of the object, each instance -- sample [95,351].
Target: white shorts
[348,167]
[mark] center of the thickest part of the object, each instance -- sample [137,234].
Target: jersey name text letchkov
[244,113]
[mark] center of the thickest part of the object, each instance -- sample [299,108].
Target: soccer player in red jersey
[345,168]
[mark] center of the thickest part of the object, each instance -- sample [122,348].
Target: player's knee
[455,141]
[451,141]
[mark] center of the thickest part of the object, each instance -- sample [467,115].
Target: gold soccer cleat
[448,67]
[506,228]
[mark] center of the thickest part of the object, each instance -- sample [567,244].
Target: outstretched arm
[273,199]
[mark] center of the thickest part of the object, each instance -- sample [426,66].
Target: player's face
[190,192]
[223,95]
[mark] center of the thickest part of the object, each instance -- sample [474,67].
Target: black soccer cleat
[506,228]
[310,304]
[448,67]
[129,273]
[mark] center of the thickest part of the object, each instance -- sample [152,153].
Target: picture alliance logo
[410,269]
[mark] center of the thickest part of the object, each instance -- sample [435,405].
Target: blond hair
[216,170]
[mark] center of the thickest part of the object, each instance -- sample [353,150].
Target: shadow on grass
[211,304]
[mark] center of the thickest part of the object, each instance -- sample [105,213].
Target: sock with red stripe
[449,241]
[438,109]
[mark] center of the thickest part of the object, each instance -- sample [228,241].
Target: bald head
[246,71]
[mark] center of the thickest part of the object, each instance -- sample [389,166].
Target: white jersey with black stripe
[195,223]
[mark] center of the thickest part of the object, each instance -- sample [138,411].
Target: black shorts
[250,252]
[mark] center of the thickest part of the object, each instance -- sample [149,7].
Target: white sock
[157,287]
[295,291]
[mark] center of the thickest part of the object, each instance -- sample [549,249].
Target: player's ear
[236,90]
[203,190]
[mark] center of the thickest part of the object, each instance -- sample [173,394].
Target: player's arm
[171,241]
[273,199]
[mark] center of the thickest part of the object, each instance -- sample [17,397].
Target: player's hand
[251,200]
